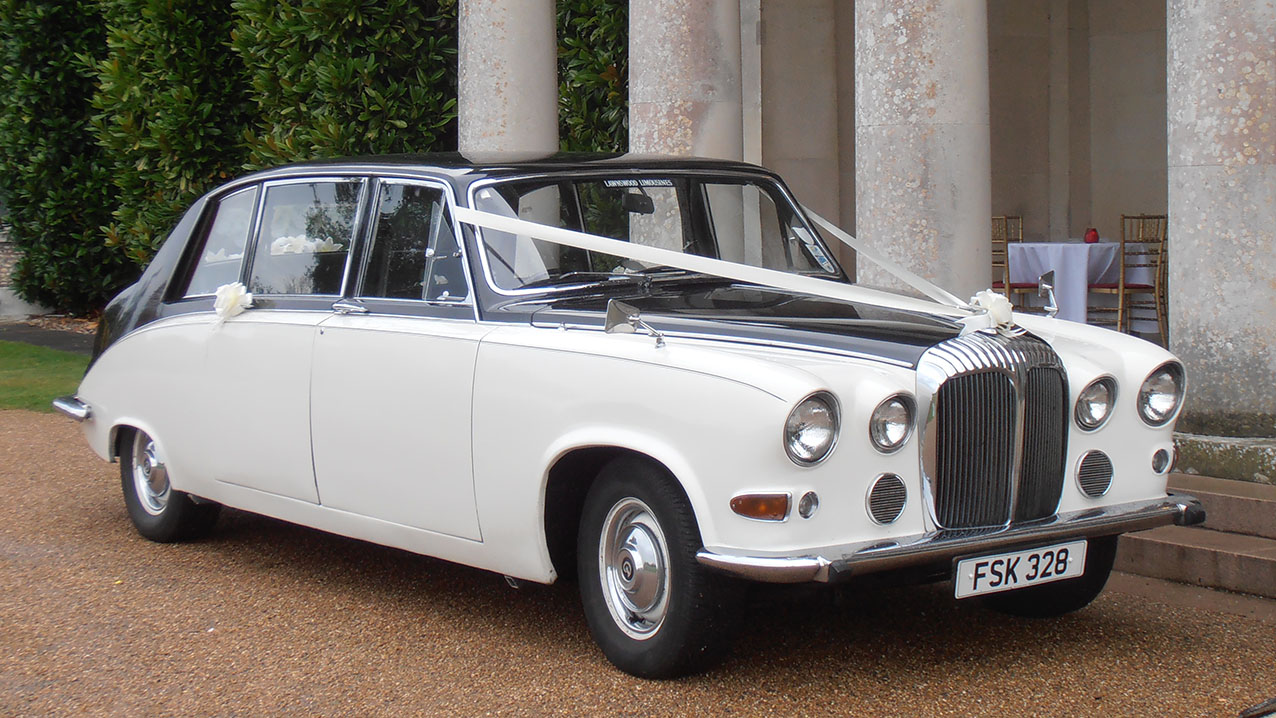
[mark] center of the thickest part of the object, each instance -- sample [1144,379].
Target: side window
[222,253]
[306,231]
[414,251]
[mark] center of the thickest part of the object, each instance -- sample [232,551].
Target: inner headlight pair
[812,427]
[1159,398]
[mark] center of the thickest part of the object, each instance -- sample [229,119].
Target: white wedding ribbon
[716,267]
[930,289]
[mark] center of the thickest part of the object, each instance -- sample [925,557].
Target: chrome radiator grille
[996,430]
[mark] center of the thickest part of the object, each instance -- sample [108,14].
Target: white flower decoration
[232,299]
[294,244]
[327,245]
[998,307]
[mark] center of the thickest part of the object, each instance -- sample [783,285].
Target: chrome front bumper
[73,407]
[837,563]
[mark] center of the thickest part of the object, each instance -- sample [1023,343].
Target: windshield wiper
[579,277]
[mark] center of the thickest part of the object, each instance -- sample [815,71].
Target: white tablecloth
[1076,265]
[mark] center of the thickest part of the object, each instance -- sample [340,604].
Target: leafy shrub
[347,77]
[172,108]
[52,176]
[593,75]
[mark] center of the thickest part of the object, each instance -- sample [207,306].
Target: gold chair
[1138,297]
[1006,229]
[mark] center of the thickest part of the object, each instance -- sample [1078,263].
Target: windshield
[739,220]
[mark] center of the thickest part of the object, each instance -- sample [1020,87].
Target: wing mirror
[1045,288]
[625,319]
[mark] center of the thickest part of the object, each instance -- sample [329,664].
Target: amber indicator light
[765,507]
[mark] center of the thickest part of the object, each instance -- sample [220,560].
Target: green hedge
[593,75]
[117,113]
[348,77]
[172,107]
[52,175]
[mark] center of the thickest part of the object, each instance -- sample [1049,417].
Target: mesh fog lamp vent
[1095,474]
[886,498]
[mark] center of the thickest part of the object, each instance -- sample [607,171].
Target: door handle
[349,307]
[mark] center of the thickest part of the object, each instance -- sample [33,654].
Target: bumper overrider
[72,407]
[831,564]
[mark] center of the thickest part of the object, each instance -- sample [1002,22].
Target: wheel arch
[568,481]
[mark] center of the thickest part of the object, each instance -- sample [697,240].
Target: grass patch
[31,377]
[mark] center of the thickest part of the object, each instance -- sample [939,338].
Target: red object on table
[1091,235]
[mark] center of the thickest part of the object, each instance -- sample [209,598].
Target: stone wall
[8,257]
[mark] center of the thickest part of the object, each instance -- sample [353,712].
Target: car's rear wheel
[159,512]
[1059,597]
[651,607]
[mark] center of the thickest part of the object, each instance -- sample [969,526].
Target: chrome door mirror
[625,319]
[1045,288]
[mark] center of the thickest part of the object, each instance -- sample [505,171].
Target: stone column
[507,76]
[684,78]
[1222,211]
[923,183]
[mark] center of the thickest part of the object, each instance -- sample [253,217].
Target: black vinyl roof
[461,170]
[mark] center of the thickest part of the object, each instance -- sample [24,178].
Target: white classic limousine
[649,373]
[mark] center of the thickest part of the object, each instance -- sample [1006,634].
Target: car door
[258,364]
[393,372]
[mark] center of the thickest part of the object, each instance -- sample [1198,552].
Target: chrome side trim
[73,407]
[834,563]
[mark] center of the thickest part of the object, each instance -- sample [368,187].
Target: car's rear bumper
[73,407]
[835,563]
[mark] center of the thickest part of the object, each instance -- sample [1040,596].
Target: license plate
[1019,569]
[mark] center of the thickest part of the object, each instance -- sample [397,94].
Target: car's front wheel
[1060,597]
[651,607]
[159,512]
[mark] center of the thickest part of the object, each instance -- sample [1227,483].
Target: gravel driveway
[267,618]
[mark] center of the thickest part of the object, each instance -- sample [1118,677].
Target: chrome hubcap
[150,477]
[633,562]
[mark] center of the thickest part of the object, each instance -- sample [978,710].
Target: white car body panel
[390,419]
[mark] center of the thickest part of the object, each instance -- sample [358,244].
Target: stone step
[1236,562]
[1233,506]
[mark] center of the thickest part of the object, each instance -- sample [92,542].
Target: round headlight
[811,429]
[1094,403]
[1161,394]
[891,423]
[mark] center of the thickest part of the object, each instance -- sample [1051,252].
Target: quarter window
[414,252]
[306,232]
[222,253]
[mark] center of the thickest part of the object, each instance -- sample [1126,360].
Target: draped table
[1076,265]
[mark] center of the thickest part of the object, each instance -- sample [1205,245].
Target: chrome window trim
[449,199]
[248,241]
[357,229]
[481,244]
[1076,403]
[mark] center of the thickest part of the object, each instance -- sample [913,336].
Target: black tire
[1060,597]
[691,628]
[158,512]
